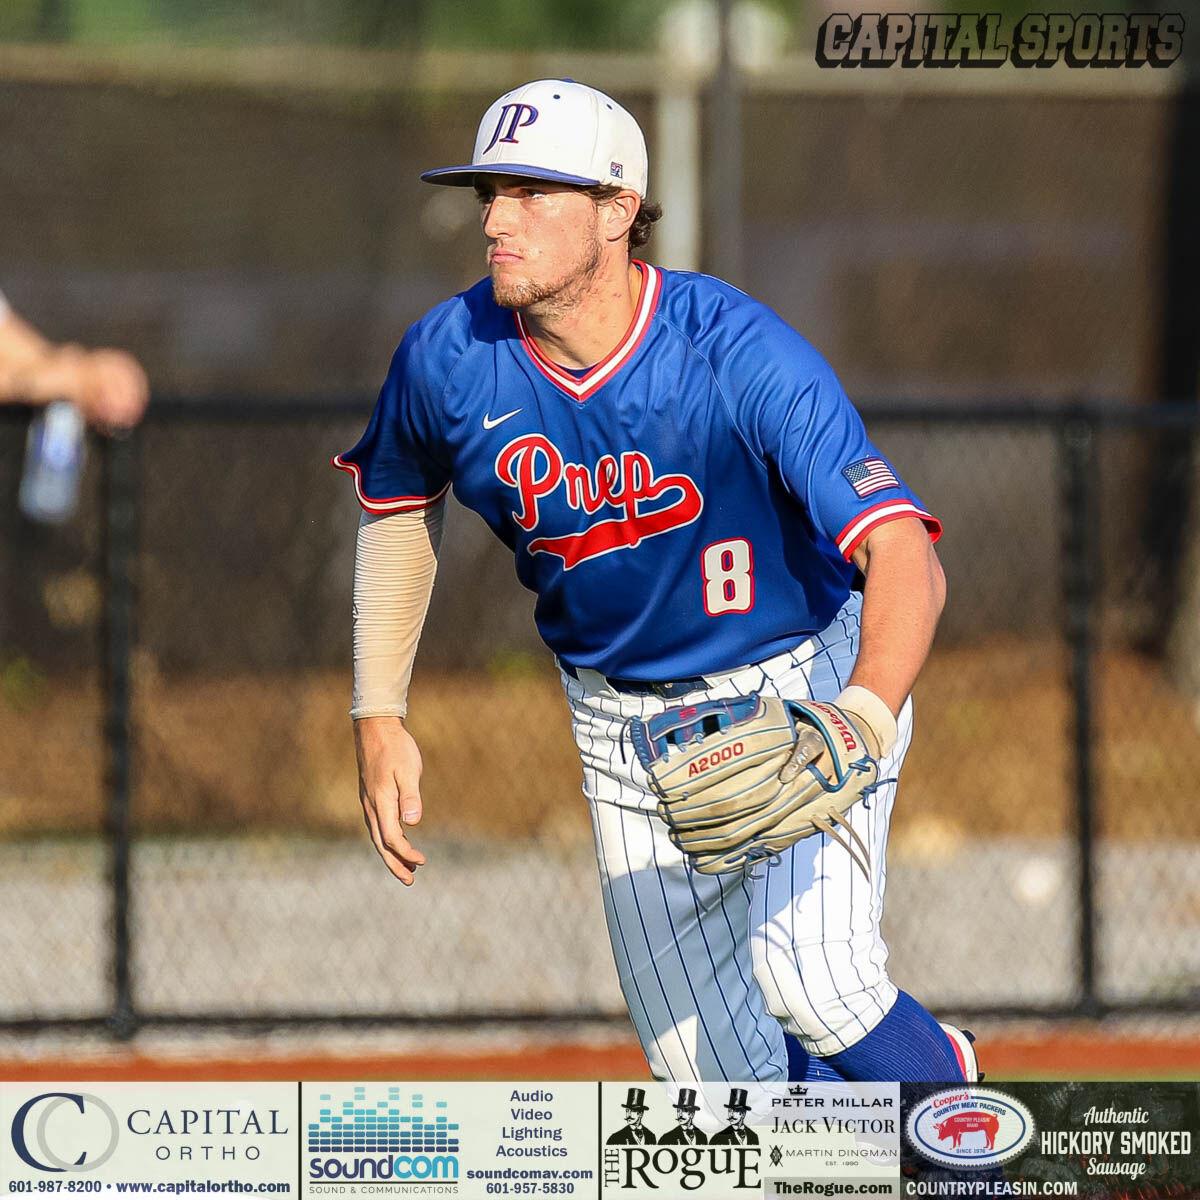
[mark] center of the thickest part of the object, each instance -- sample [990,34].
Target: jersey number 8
[728,572]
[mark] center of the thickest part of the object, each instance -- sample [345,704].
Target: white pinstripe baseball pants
[710,965]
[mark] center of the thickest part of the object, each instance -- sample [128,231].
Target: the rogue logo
[30,1130]
[534,465]
[689,1168]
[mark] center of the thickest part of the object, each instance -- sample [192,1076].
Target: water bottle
[54,456]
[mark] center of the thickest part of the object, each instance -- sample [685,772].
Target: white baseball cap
[555,129]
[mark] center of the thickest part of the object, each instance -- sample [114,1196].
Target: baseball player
[109,387]
[689,493]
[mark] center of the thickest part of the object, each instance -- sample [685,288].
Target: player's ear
[617,214]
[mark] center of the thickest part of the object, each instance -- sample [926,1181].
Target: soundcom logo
[83,1141]
[383,1141]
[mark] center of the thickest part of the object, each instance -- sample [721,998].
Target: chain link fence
[180,836]
[268,234]
[179,825]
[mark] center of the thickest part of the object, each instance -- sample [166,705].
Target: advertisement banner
[108,1139]
[1095,1141]
[466,1140]
[750,1139]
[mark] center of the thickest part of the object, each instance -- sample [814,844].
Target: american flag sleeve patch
[870,475]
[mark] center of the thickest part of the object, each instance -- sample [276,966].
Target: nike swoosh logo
[489,423]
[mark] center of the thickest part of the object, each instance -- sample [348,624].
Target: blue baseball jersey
[686,506]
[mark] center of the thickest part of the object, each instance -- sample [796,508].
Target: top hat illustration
[636,1100]
[737,1100]
[687,1100]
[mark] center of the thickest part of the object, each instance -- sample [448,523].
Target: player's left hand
[741,780]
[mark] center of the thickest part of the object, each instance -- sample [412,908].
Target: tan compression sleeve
[395,561]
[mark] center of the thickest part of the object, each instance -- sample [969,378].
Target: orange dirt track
[1056,1055]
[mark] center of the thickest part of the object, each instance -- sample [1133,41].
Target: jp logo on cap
[559,130]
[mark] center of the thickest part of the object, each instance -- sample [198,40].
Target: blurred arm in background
[108,386]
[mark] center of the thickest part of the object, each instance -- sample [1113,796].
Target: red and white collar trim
[581,387]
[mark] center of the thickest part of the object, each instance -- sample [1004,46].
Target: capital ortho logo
[65,1131]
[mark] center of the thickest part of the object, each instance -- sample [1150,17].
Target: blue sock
[807,1068]
[907,1046]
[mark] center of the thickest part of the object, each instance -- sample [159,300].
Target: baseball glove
[741,780]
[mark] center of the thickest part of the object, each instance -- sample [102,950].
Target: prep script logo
[647,504]
[941,39]
[65,1131]
[383,1140]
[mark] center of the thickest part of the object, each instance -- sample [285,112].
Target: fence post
[722,235]
[1081,581]
[120,538]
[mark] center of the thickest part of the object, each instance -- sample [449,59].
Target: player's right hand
[389,776]
[113,389]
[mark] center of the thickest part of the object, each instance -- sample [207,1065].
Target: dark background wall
[952,248]
[935,245]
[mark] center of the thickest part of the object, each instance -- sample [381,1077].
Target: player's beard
[545,297]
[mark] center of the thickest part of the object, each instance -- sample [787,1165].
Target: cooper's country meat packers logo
[648,504]
[969,1127]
